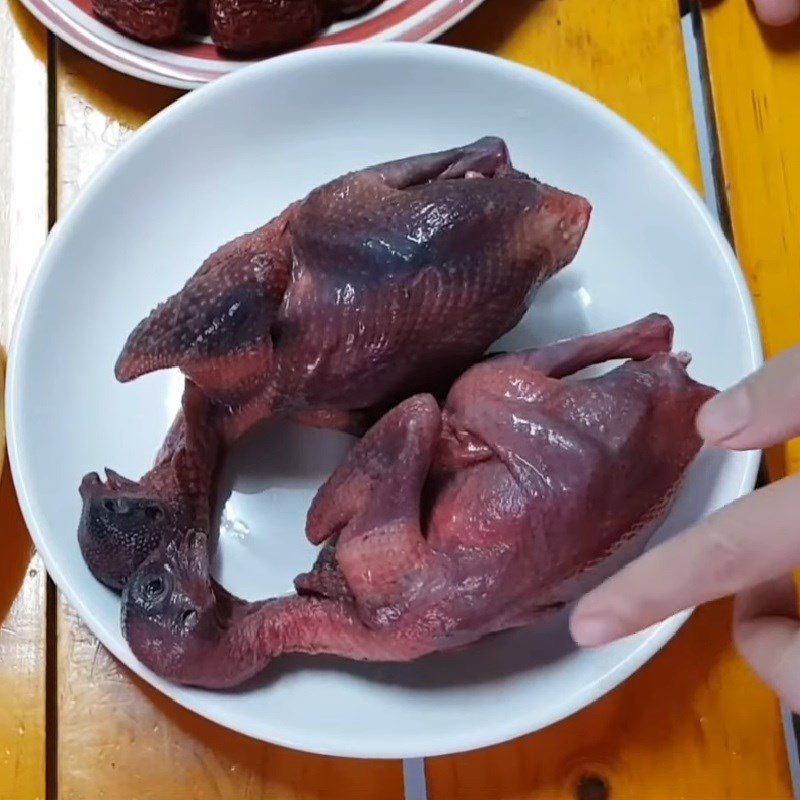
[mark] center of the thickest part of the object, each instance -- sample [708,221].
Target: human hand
[747,549]
[777,12]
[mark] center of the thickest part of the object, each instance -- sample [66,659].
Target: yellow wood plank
[755,77]
[627,54]
[23,227]
[117,737]
[694,723]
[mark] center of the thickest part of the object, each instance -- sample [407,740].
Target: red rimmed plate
[191,63]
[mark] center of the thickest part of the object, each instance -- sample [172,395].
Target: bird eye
[153,588]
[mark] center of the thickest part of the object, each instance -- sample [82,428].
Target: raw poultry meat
[123,520]
[381,284]
[235,25]
[153,21]
[445,525]
[244,25]
[372,287]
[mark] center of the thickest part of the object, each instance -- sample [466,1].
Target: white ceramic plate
[194,61]
[222,161]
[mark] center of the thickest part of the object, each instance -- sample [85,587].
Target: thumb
[777,12]
[761,411]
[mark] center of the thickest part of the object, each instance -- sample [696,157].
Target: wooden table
[694,723]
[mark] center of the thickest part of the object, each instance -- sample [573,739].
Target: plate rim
[98,48]
[650,644]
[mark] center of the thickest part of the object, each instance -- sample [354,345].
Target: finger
[761,411]
[741,545]
[773,598]
[767,633]
[777,12]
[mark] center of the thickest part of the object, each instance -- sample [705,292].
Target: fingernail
[594,630]
[725,415]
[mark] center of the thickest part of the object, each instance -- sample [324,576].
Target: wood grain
[117,737]
[23,227]
[755,75]
[628,54]
[694,723]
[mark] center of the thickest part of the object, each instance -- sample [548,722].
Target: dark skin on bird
[122,521]
[443,525]
[379,285]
